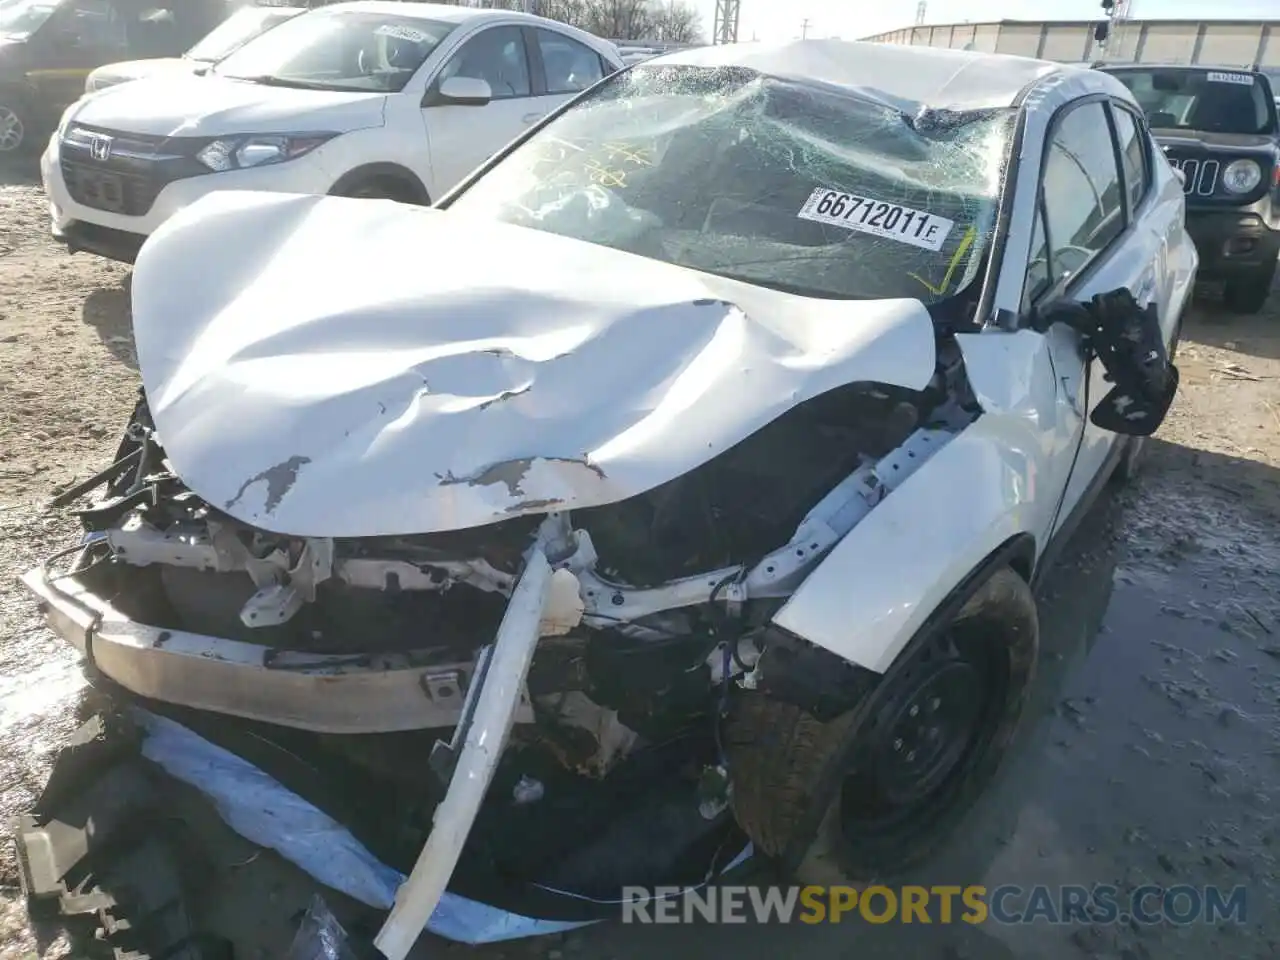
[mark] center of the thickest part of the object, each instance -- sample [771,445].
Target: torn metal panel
[902,560]
[424,400]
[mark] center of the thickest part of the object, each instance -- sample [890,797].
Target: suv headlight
[65,120]
[1241,176]
[239,153]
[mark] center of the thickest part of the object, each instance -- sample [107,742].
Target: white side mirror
[465,92]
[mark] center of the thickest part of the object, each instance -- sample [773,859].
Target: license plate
[879,218]
[102,190]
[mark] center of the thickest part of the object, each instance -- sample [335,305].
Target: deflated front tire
[881,787]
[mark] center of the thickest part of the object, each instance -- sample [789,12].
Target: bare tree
[675,22]
[666,21]
[626,19]
[566,11]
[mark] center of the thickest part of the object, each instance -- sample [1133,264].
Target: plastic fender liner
[877,587]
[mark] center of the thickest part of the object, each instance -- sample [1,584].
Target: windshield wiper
[270,80]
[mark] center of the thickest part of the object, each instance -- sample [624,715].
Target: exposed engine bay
[668,587]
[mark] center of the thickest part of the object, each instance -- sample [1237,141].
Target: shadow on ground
[107,310]
[20,171]
[1212,324]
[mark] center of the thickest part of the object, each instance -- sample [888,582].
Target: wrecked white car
[682,477]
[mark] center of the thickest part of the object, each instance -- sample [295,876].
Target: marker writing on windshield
[965,243]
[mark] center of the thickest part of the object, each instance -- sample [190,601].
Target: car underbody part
[479,739]
[100,846]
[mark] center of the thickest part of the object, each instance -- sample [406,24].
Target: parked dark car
[48,47]
[1219,127]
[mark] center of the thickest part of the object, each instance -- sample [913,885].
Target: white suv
[369,99]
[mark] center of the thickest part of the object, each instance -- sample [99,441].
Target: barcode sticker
[1244,79]
[892,221]
[400,32]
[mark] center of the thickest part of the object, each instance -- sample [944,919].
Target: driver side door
[1098,228]
[80,36]
[460,138]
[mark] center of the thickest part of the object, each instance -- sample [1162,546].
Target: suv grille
[123,173]
[1201,172]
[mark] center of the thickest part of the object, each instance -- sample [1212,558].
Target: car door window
[1039,277]
[1132,138]
[1083,199]
[570,66]
[92,25]
[496,56]
[153,32]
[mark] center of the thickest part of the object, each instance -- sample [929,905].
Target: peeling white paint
[327,367]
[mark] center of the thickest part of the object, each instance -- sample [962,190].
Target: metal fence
[1219,42]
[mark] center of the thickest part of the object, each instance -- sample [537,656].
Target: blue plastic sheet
[262,810]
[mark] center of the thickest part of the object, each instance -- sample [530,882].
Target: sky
[852,19]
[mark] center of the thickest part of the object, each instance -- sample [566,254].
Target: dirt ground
[1154,754]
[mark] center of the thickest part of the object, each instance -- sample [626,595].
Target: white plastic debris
[528,790]
[320,936]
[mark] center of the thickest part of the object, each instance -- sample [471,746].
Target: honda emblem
[100,148]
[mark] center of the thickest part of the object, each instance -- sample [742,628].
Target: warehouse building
[1239,43]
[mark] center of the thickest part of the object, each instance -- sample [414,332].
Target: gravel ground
[1157,746]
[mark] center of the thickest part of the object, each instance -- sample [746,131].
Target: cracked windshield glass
[784,184]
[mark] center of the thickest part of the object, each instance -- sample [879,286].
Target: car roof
[445,13]
[906,77]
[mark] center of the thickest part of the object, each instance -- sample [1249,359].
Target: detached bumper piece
[93,852]
[321,693]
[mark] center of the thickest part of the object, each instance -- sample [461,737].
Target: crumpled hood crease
[319,366]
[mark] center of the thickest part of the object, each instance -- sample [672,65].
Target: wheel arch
[921,552]
[383,170]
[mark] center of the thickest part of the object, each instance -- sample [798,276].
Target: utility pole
[725,29]
[804,29]
[1108,34]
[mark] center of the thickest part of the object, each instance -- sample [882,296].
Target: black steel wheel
[881,787]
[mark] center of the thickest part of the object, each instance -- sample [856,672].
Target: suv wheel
[1248,294]
[883,786]
[13,128]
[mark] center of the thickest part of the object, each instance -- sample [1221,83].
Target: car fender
[880,583]
[383,170]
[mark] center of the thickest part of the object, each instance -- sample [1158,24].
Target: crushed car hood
[176,104]
[319,366]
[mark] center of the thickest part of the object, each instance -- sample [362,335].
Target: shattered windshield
[1217,101]
[780,183]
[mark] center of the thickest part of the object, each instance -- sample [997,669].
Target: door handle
[530,117]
